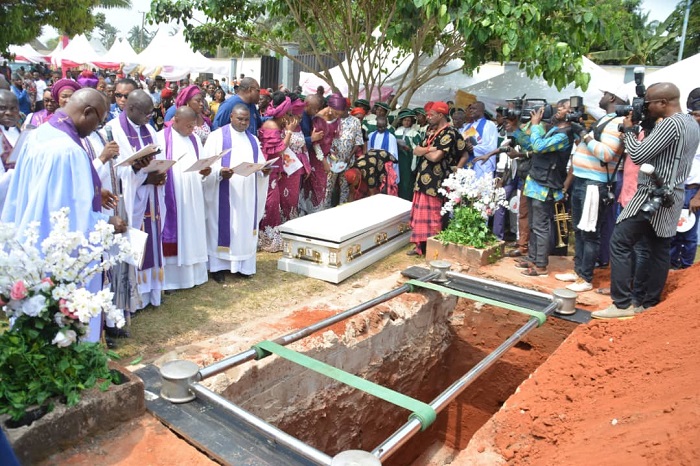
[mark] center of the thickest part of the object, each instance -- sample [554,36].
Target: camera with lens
[660,196]
[608,198]
[577,111]
[638,107]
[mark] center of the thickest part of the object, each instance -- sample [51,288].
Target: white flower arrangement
[48,282]
[464,188]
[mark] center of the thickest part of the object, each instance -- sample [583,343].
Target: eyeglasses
[49,101]
[647,102]
[119,95]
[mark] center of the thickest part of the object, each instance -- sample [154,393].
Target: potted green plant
[470,201]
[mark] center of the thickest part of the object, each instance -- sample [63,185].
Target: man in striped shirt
[675,135]
[593,163]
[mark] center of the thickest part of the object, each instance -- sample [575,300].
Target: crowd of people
[92,142]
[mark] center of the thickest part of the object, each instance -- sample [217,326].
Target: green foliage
[34,372]
[467,227]
[22,21]
[675,25]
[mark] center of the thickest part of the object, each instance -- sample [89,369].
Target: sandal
[534,272]
[524,264]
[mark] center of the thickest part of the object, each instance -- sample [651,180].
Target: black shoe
[219,277]
[413,252]
[242,275]
[114,332]
[111,344]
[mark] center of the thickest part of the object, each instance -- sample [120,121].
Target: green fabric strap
[540,316]
[423,412]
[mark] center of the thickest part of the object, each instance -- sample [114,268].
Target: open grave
[415,350]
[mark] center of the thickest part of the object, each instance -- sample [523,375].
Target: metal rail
[249,355]
[408,430]
[268,430]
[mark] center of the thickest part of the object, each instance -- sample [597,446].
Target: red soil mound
[616,392]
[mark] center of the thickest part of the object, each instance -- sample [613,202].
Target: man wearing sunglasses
[675,135]
[122,90]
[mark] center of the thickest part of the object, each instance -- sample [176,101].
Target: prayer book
[151,149]
[291,162]
[201,164]
[248,168]
[159,166]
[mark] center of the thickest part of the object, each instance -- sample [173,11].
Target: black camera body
[577,111]
[520,109]
[638,107]
[660,196]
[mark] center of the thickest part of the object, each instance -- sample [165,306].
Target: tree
[139,38]
[548,36]
[107,32]
[22,21]
[675,25]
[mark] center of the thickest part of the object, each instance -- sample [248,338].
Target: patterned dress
[343,149]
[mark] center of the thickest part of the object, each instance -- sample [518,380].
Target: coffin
[336,243]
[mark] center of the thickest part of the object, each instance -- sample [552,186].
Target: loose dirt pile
[616,392]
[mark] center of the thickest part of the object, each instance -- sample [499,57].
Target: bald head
[314,103]
[139,107]
[184,120]
[249,90]
[87,108]
[663,100]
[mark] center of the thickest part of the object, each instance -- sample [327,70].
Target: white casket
[333,244]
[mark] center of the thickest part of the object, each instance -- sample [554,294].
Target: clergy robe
[145,209]
[8,139]
[232,234]
[184,231]
[54,171]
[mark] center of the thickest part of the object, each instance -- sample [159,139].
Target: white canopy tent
[97,46]
[26,54]
[172,58]
[683,74]
[120,53]
[494,92]
[77,52]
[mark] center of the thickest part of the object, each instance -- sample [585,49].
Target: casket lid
[349,220]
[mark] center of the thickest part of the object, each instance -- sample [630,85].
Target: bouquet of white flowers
[471,200]
[43,293]
[464,188]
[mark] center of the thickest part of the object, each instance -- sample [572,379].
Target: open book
[201,164]
[151,149]
[248,168]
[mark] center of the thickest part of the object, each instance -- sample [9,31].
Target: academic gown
[53,172]
[136,197]
[247,205]
[189,267]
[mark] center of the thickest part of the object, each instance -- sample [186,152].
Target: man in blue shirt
[25,105]
[248,94]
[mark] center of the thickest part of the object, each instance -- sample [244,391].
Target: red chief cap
[264,91]
[441,107]
[428,106]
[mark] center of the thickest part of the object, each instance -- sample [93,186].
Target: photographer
[594,164]
[545,184]
[653,212]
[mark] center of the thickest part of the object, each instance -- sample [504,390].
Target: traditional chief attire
[426,219]
[8,138]
[184,229]
[54,171]
[234,207]
[145,206]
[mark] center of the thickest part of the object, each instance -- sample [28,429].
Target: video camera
[521,109]
[638,107]
[660,196]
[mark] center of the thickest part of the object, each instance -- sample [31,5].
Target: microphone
[108,130]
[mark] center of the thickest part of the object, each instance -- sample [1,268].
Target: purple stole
[224,237]
[63,123]
[170,227]
[149,258]
[5,154]
[39,117]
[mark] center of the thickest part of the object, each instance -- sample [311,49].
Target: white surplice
[11,135]
[245,219]
[189,267]
[136,196]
